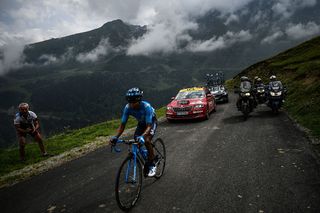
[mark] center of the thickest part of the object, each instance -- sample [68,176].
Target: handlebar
[128,142]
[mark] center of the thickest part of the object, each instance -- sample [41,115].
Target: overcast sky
[29,21]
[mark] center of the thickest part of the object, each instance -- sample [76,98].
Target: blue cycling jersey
[143,115]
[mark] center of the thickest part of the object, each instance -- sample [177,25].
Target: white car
[220,93]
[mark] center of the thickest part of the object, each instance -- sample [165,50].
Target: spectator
[26,122]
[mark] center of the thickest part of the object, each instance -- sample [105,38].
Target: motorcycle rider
[255,80]
[258,83]
[245,84]
[274,82]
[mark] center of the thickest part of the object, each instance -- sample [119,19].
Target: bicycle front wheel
[128,183]
[160,153]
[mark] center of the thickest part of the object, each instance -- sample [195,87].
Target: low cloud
[48,59]
[286,8]
[162,38]
[160,43]
[173,20]
[300,31]
[215,43]
[231,18]
[11,57]
[271,38]
[103,49]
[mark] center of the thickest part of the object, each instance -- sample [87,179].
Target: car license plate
[182,113]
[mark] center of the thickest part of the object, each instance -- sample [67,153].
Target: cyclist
[147,124]
[26,122]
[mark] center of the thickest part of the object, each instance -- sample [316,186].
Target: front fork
[134,155]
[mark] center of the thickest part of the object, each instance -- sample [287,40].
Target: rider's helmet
[256,78]
[259,80]
[273,78]
[244,78]
[134,95]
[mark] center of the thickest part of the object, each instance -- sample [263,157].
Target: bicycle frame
[133,168]
[135,151]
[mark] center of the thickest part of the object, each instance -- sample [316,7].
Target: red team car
[190,103]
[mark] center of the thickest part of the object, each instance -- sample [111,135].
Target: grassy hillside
[9,158]
[299,69]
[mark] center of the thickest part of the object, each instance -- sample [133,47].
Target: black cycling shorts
[141,127]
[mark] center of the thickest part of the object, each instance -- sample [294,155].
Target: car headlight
[198,106]
[169,108]
[247,94]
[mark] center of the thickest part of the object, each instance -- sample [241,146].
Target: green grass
[61,143]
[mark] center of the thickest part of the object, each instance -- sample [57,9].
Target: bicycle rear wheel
[128,183]
[160,153]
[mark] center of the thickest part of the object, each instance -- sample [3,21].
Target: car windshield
[215,89]
[190,95]
[276,85]
[245,86]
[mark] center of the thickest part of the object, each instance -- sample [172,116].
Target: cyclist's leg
[139,130]
[148,139]
[148,144]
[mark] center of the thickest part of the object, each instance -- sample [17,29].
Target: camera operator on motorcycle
[276,83]
[258,83]
[245,85]
[276,92]
[255,80]
[259,91]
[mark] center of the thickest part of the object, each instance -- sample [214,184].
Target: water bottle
[144,152]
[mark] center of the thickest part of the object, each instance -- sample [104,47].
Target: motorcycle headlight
[247,94]
[276,93]
[198,106]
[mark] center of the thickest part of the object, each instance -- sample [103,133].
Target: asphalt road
[225,164]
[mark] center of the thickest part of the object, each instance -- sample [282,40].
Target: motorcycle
[275,97]
[245,103]
[260,94]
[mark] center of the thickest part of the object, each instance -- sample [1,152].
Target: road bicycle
[133,168]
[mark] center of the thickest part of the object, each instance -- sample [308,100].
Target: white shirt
[25,123]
